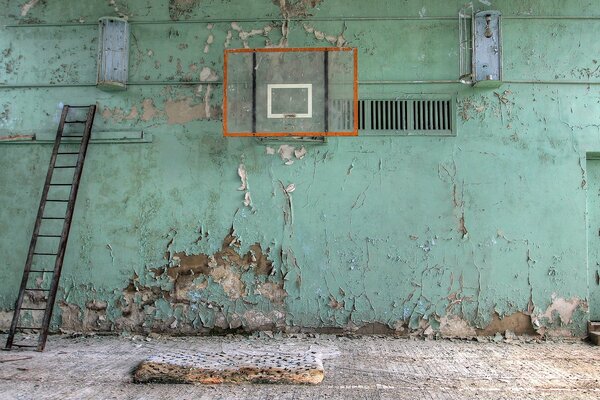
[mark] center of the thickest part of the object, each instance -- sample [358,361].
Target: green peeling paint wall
[477,233]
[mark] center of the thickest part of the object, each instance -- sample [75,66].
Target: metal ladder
[62,159]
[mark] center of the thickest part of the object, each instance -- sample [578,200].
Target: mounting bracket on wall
[480,46]
[113,54]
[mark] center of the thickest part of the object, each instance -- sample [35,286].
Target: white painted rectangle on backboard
[292,113]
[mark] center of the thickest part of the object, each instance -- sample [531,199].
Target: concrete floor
[355,368]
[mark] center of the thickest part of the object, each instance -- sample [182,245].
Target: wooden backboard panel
[290,92]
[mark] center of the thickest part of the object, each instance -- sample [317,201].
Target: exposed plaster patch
[288,153]
[519,323]
[272,291]
[228,39]
[118,115]
[243,177]
[247,199]
[28,6]
[337,40]
[245,35]
[295,8]
[208,74]
[454,326]
[300,153]
[207,107]
[96,305]
[149,111]
[183,111]
[257,320]
[563,308]
[335,304]
[468,106]
[70,316]
[5,320]
[208,42]
[229,278]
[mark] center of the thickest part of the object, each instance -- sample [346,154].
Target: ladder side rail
[66,228]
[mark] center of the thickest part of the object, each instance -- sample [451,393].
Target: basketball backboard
[290,92]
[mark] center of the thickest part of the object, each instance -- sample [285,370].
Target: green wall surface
[468,234]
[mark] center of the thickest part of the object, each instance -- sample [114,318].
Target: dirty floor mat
[231,367]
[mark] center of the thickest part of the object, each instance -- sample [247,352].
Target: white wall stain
[28,6]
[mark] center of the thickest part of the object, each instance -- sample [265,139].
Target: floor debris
[358,367]
[231,367]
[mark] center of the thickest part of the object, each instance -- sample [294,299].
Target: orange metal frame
[354,132]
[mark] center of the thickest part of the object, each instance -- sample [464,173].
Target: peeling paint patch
[454,326]
[28,6]
[118,115]
[199,287]
[229,279]
[5,319]
[272,291]
[337,40]
[563,308]
[244,35]
[287,153]
[247,199]
[149,111]
[300,153]
[519,323]
[243,177]
[208,74]
[209,40]
[295,8]
[183,111]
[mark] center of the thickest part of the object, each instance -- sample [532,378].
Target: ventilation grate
[397,116]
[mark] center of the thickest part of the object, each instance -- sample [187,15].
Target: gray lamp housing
[480,41]
[113,53]
[487,49]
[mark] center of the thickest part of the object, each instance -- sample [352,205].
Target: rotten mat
[231,367]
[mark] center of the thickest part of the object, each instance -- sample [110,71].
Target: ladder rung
[53,217]
[58,201]
[61,184]
[30,327]
[41,270]
[55,236]
[71,136]
[68,152]
[38,290]
[77,106]
[45,254]
[66,166]
[32,309]
[24,345]
[76,122]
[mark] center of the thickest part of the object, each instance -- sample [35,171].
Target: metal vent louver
[398,116]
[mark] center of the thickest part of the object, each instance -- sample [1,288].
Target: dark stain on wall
[182,8]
